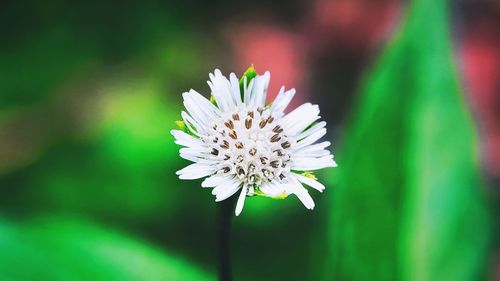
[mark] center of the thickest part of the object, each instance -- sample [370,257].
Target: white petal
[309,164]
[235,85]
[314,150]
[199,107]
[311,138]
[311,130]
[272,189]
[247,90]
[190,157]
[205,105]
[241,200]
[282,100]
[195,171]
[193,109]
[216,180]
[259,91]
[267,79]
[303,116]
[226,190]
[198,159]
[295,187]
[195,150]
[182,138]
[310,182]
[195,154]
[314,147]
[192,125]
[305,198]
[221,90]
[314,154]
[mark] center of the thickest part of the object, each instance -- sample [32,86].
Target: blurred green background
[89,91]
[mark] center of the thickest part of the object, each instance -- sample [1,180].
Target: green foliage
[67,249]
[103,97]
[409,202]
[130,163]
[134,123]
[43,54]
[88,97]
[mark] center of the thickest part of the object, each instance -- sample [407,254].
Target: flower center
[251,144]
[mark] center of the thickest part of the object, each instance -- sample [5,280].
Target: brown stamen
[265,172]
[229,124]
[240,158]
[275,138]
[225,144]
[285,144]
[241,172]
[248,123]
[277,129]
[263,160]
[238,145]
[233,134]
[262,123]
[251,167]
[251,179]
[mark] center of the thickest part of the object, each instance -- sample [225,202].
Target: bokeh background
[90,89]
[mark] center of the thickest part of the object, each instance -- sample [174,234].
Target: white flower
[240,143]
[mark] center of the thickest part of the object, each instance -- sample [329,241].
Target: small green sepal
[250,74]
[258,192]
[182,126]
[213,101]
[309,174]
[280,197]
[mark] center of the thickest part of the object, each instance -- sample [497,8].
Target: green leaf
[249,74]
[125,165]
[67,249]
[409,202]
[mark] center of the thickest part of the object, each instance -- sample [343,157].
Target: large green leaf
[68,249]
[408,204]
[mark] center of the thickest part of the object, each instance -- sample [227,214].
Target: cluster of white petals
[241,144]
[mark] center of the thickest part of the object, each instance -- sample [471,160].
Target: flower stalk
[225,214]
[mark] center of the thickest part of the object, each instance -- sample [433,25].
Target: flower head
[240,143]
